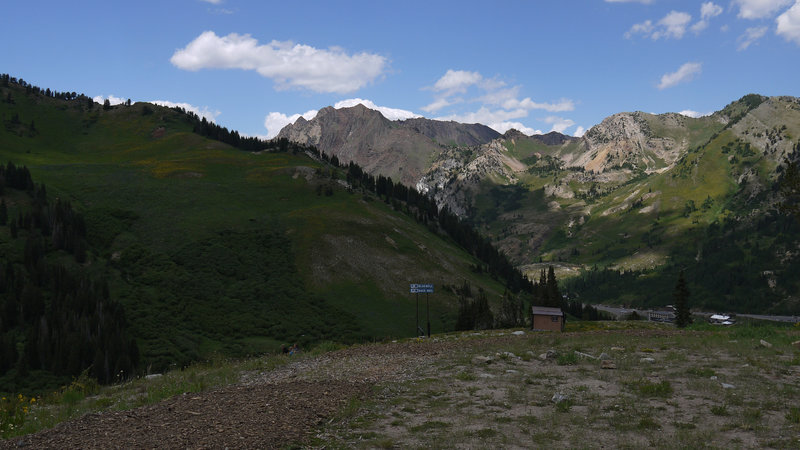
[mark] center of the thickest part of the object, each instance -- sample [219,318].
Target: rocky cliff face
[626,140]
[457,174]
[401,150]
[451,134]
[524,190]
[450,161]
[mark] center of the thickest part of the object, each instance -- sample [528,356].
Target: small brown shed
[547,319]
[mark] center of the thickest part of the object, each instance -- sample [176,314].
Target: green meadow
[214,250]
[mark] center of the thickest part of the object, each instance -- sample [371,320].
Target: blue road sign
[421,288]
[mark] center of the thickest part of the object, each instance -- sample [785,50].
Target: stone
[796,344]
[518,333]
[765,344]
[604,355]
[482,360]
[559,397]
[607,364]
[552,354]
[648,360]
[618,349]
[727,386]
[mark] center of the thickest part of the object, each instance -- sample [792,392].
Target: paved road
[619,312]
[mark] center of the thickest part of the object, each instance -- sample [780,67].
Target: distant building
[662,315]
[547,319]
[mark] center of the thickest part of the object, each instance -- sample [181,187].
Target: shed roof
[546,311]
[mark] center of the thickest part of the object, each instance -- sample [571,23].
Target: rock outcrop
[401,150]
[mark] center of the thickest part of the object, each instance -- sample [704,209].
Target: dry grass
[702,389]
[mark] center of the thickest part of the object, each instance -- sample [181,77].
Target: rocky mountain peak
[398,149]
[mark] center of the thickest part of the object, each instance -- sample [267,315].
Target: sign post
[423,289]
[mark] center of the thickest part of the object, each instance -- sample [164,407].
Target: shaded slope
[211,249]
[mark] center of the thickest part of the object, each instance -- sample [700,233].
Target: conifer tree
[790,186]
[553,295]
[681,297]
[3,212]
[484,319]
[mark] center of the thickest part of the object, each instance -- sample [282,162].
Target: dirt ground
[482,390]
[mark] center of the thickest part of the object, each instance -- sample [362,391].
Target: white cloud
[693,114]
[275,121]
[560,124]
[498,120]
[684,74]
[499,106]
[111,99]
[526,103]
[644,28]
[439,103]
[580,131]
[750,36]
[759,9]
[455,81]
[486,116]
[708,10]
[699,26]
[204,111]
[789,24]
[673,25]
[389,113]
[290,65]
[502,127]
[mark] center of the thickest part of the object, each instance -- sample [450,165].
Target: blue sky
[533,65]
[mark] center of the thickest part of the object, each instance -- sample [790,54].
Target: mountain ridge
[637,191]
[397,149]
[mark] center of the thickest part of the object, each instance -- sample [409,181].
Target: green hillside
[624,234]
[211,249]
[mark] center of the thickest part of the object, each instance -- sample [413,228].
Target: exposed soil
[257,416]
[279,408]
[480,390]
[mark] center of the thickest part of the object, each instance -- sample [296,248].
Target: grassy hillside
[712,213]
[212,249]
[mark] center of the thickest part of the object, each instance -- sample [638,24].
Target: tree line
[420,206]
[55,318]
[425,211]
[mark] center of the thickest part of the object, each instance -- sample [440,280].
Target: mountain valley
[638,192]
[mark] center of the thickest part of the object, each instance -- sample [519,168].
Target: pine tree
[790,187]
[484,319]
[553,295]
[511,311]
[681,297]
[3,212]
